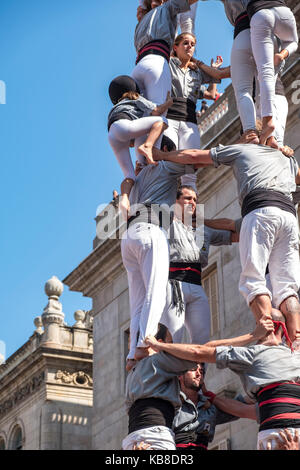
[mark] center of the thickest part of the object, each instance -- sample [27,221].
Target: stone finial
[38,322]
[53,316]
[79,316]
[54,288]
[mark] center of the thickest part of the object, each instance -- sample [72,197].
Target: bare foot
[272,142]
[147,153]
[267,129]
[130,363]
[140,353]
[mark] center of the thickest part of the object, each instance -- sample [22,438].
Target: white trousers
[196,317]
[266,23]
[268,435]
[281,110]
[185,135]
[122,132]
[269,235]
[186,20]
[158,437]
[145,254]
[243,70]
[153,76]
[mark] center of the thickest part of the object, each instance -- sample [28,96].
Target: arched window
[2,443]
[16,439]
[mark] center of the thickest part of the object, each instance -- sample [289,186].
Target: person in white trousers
[154,38]
[133,116]
[145,249]
[187,88]
[269,233]
[265,22]
[188,256]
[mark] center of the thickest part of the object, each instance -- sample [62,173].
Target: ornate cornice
[21,393]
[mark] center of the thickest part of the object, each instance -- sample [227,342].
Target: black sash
[241,23]
[148,412]
[259,198]
[186,272]
[159,47]
[183,109]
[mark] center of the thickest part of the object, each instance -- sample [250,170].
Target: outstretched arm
[264,328]
[235,407]
[186,157]
[214,72]
[298,177]
[190,352]
[124,204]
[221,224]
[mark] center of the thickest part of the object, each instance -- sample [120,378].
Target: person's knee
[290,305]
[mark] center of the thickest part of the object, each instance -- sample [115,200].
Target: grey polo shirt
[186,247]
[233,8]
[200,419]
[157,184]
[156,376]
[160,23]
[259,365]
[135,109]
[188,83]
[257,167]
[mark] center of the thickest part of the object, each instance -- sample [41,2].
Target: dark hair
[166,141]
[161,332]
[181,188]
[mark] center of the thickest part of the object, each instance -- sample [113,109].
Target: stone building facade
[46,386]
[102,277]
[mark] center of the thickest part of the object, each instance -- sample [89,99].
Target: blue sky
[57,60]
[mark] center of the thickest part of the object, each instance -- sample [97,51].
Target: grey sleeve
[220,237]
[238,359]
[238,225]
[146,104]
[177,169]
[173,364]
[177,6]
[224,155]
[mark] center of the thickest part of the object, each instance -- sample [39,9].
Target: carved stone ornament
[22,393]
[76,378]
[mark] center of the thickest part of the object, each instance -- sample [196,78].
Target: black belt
[259,198]
[241,23]
[186,272]
[183,109]
[158,47]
